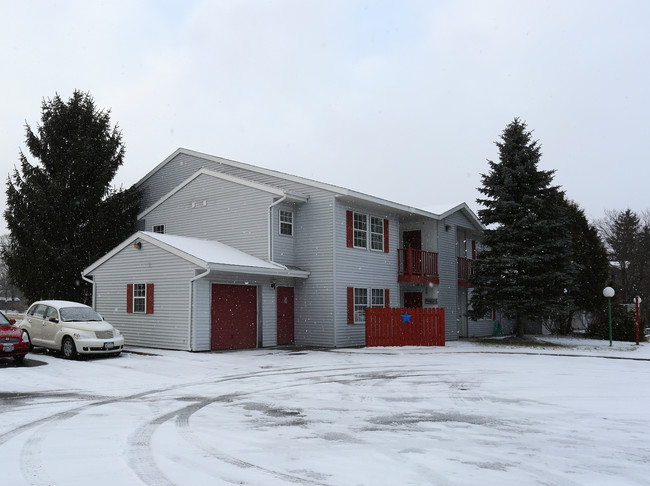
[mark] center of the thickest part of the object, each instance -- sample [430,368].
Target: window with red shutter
[129,298]
[349,229]
[350,305]
[385,236]
[149,298]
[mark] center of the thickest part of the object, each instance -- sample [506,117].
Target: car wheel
[68,348]
[31,346]
[19,358]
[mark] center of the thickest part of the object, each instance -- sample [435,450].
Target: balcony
[465,271]
[417,266]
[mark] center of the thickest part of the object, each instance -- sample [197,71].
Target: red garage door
[234,317]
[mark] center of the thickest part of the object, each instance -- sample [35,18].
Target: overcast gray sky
[400,99]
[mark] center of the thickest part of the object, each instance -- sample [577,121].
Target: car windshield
[79,314]
[4,320]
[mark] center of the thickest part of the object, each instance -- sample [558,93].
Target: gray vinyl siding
[447,269]
[314,252]
[201,315]
[362,268]
[216,209]
[168,326]
[170,175]
[313,240]
[284,247]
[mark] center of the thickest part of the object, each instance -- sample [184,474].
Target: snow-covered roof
[339,191]
[207,254]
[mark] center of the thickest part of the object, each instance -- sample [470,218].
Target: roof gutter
[91,282]
[270,227]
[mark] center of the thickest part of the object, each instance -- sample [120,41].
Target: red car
[14,342]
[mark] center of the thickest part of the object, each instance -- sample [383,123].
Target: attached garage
[198,295]
[233,318]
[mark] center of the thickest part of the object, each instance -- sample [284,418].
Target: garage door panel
[233,317]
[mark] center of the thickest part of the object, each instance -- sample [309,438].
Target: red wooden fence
[391,326]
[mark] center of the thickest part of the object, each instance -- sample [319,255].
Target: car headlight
[25,337]
[80,335]
[117,332]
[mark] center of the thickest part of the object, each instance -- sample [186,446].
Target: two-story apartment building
[236,256]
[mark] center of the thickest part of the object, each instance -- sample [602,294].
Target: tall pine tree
[524,268]
[63,213]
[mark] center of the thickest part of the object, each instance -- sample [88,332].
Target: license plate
[7,347]
[108,345]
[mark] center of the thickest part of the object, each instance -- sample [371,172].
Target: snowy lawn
[467,413]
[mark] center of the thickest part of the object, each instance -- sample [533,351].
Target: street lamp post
[637,301]
[609,293]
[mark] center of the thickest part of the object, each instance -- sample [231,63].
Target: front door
[233,317]
[413,299]
[285,315]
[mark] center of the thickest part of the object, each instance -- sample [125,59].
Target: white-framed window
[360,304]
[363,298]
[376,233]
[286,222]
[377,298]
[140,297]
[159,228]
[360,230]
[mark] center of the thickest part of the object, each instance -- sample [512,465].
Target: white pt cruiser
[71,328]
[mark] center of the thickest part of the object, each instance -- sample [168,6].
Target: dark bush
[623,324]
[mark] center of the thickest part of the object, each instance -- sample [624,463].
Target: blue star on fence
[406,317]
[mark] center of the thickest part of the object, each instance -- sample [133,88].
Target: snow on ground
[464,414]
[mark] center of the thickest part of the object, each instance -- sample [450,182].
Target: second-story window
[159,228]
[376,233]
[366,231]
[286,222]
[360,230]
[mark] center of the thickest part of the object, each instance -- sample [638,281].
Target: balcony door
[412,239]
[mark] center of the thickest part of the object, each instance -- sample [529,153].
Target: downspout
[191,306]
[270,227]
[92,282]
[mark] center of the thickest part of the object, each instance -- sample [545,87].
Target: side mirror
[54,320]
[13,321]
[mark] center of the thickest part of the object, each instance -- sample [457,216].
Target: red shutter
[386,297]
[149,298]
[350,305]
[349,229]
[473,250]
[385,236]
[129,298]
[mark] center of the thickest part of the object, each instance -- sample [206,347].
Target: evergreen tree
[627,237]
[591,265]
[524,268]
[63,213]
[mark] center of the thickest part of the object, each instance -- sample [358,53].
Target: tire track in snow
[142,454]
[31,463]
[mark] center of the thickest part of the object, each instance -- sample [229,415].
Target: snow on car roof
[60,303]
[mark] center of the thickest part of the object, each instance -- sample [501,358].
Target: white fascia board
[272,272]
[236,180]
